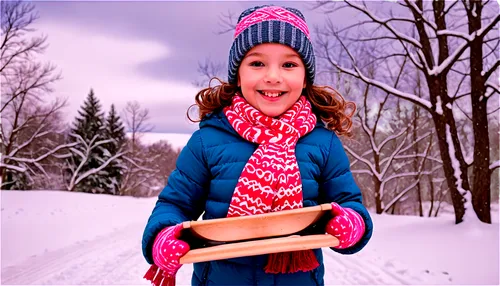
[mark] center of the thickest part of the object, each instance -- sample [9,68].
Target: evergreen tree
[116,131]
[89,124]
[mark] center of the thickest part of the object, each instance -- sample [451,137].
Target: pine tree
[90,126]
[116,131]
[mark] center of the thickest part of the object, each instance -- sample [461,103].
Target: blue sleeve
[338,186]
[184,196]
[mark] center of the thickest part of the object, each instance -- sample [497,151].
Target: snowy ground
[54,238]
[177,140]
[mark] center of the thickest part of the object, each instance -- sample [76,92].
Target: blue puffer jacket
[206,174]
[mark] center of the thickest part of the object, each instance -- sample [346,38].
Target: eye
[290,65]
[256,64]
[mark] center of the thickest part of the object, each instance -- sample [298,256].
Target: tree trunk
[439,201]
[415,161]
[378,199]
[4,172]
[457,198]
[442,114]
[3,175]
[431,186]
[481,178]
[378,185]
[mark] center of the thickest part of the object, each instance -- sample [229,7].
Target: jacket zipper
[206,269]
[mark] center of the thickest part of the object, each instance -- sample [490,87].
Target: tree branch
[387,88]
[488,73]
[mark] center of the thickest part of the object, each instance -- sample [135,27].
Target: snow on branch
[494,165]
[451,59]
[366,129]
[75,179]
[364,160]
[402,193]
[408,174]
[26,143]
[383,86]
[390,138]
[391,158]
[85,155]
[427,134]
[457,173]
[35,160]
[366,172]
[457,34]
[399,157]
[362,155]
[20,169]
[141,168]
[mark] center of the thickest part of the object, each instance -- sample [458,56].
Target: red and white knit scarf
[270,180]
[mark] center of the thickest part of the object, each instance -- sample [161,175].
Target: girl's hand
[346,225]
[167,251]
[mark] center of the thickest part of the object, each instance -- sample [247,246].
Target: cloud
[108,64]
[144,51]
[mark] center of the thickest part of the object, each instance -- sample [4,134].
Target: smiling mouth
[272,94]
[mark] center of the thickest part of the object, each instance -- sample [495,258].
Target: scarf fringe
[158,277]
[291,262]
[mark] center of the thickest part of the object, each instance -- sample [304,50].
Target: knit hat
[271,24]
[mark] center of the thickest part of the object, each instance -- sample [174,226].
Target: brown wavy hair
[328,104]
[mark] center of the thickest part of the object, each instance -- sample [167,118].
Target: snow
[177,140]
[495,165]
[451,59]
[439,105]
[55,237]
[469,212]
[454,161]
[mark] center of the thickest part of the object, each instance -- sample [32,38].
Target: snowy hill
[177,140]
[51,237]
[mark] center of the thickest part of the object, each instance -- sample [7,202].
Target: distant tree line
[39,150]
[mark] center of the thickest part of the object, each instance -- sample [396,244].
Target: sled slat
[258,247]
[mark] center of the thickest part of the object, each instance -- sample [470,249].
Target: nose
[273,75]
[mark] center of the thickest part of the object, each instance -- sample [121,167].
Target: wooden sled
[290,230]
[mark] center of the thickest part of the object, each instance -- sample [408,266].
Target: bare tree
[136,171]
[25,86]
[163,162]
[136,120]
[426,37]
[208,70]
[481,90]
[378,157]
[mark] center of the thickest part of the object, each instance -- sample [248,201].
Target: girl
[267,141]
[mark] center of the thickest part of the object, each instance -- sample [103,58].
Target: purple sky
[144,51]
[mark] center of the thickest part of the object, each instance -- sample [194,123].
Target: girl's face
[271,77]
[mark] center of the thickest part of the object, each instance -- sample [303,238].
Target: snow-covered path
[108,259]
[62,238]
[116,259]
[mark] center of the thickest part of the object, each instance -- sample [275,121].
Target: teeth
[272,94]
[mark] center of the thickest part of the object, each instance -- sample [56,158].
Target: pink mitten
[346,225]
[167,251]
